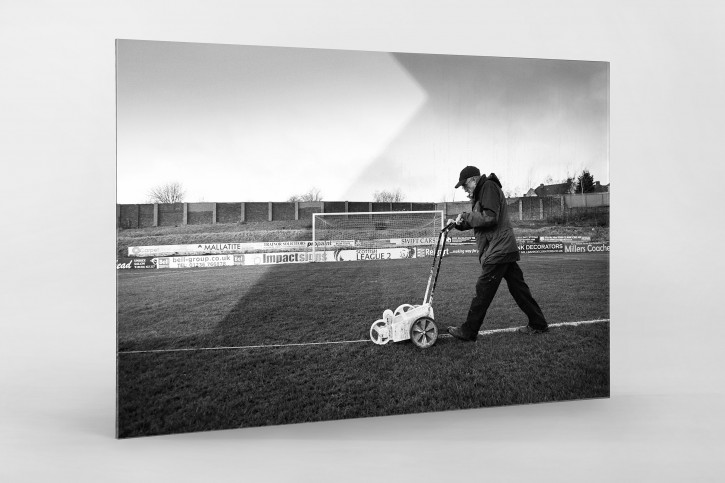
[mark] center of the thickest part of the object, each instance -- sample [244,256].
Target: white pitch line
[245,347]
[271,346]
[558,324]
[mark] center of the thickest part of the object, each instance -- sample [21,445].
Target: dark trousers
[486,288]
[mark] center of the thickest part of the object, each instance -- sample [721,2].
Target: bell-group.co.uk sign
[202,261]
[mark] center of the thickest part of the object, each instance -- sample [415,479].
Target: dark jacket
[490,222]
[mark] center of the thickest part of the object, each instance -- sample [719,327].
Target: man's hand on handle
[457,221]
[451,222]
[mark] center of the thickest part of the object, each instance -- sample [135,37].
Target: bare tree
[167,193]
[529,180]
[388,196]
[313,194]
[570,184]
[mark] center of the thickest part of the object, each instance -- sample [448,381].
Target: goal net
[375,229]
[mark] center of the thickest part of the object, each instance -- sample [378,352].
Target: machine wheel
[388,316]
[404,308]
[379,333]
[424,332]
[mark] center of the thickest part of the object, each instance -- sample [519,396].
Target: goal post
[374,229]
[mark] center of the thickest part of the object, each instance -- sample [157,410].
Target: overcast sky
[247,123]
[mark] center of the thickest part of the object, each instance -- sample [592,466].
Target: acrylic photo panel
[283,252]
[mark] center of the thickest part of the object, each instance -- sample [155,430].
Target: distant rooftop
[562,189]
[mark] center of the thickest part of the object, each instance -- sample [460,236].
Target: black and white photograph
[313,234]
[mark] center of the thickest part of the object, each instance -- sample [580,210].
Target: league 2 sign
[374,254]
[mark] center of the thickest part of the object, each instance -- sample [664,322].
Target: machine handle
[448,227]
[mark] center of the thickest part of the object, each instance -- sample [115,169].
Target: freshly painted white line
[304,344]
[268,346]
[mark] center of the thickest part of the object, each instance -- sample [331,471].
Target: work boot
[458,334]
[528,330]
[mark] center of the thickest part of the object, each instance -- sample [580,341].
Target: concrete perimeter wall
[176,214]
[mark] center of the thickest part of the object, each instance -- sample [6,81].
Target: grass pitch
[262,309]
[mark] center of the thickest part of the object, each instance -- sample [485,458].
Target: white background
[664,421]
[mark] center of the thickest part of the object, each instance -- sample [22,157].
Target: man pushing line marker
[498,254]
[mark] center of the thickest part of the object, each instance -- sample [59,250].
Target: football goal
[383,229]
